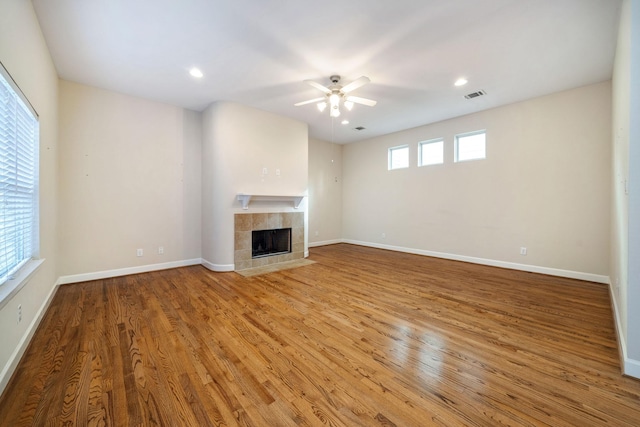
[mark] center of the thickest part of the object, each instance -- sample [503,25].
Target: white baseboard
[220,268]
[484,261]
[17,354]
[630,367]
[325,243]
[76,278]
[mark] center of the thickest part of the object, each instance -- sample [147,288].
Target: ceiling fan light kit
[336,93]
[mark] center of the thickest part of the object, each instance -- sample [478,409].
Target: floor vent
[475,94]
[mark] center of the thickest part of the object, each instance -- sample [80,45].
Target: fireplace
[247,223]
[270,242]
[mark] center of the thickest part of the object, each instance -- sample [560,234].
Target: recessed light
[461,82]
[345,122]
[195,72]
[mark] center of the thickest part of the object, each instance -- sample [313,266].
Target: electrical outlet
[383,235]
[139,252]
[523,251]
[19,313]
[160,250]
[317,232]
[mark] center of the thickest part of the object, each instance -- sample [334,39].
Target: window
[399,157]
[431,152]
[18,178]
[470,146]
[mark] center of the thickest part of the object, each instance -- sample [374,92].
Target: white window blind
[18,178]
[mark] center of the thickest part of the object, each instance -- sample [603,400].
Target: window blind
[18,171]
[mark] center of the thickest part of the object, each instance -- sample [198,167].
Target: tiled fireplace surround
[244,224]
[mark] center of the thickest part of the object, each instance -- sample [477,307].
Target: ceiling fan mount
[335,93]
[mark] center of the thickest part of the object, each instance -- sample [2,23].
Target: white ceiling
[258,52]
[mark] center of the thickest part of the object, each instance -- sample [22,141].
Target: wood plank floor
[363,337]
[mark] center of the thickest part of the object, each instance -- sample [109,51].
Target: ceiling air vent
[359,128]
[475,94]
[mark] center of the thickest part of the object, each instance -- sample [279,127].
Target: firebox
[270,242]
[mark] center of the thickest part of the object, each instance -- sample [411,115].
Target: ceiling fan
[335,93]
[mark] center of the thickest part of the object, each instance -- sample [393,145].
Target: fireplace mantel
[245,199]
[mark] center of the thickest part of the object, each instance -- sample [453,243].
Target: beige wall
[625,193]
[239,142]
[544,186]
[325,192]
[24,54]
[129,179]
[633,291]
[620,169]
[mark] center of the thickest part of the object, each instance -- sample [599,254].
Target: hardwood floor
[363,337]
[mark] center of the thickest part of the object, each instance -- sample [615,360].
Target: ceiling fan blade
[355,84]
[311,101]
[363,101]
[318,86]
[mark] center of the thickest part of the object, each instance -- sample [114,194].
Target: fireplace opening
[270,242]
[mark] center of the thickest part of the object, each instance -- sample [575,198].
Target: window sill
[12,286]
